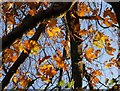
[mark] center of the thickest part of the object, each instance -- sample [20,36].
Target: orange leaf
[0,75]
[83,32]
[96,73]
[107,22]
[109,50]
[95,79]
[32,12]
[30,33]
[91,54]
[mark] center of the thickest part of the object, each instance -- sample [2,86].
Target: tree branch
[31,21]
[21,58]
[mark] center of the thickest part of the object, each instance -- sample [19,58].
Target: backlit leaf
[30,33]
[99,40]
[83,32]
[70,84]
[97,73]
[90,53]
[32,12]
[61,83]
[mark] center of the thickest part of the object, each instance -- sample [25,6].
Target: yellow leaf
[108,65]
[83,9]
[99,40]
[35,50]
[24,82]
[30,33]
[91,54]
[15,79]
[97,44]
[53,31]
[50,33]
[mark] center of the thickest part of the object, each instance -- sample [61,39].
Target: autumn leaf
[53,31]
[97,73]
[15,79]
[30,45]
[111,14]
[108,65]
[106,80]
[30,33]
[24,82]
[91,54]
[107,22]
[52,23]
[95,79]
[109,50]
[83,32]
[11,19]
[60,63]
[83,9]
[0,75]
[43,59]
[48,71]
[50,33]
[32,12]
[99,40]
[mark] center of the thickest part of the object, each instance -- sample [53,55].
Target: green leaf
[61,83]
[112,82]
[70,84]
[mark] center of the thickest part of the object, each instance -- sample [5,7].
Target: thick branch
[75,50]
[21,58]
[31,21]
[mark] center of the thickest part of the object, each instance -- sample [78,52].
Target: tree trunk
[75,42]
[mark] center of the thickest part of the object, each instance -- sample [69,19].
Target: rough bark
[75,53]
[21,58]
[31,21]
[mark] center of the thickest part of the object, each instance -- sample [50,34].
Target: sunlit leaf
[99,40]
[53,31]
[32,12]
[30,33]
[107,22]
[83,32]
[90,53]
[95,79]
[61,83]
[0,75]
[71,84]
[15,79]
[110,50]
[111,82]
[97,73]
